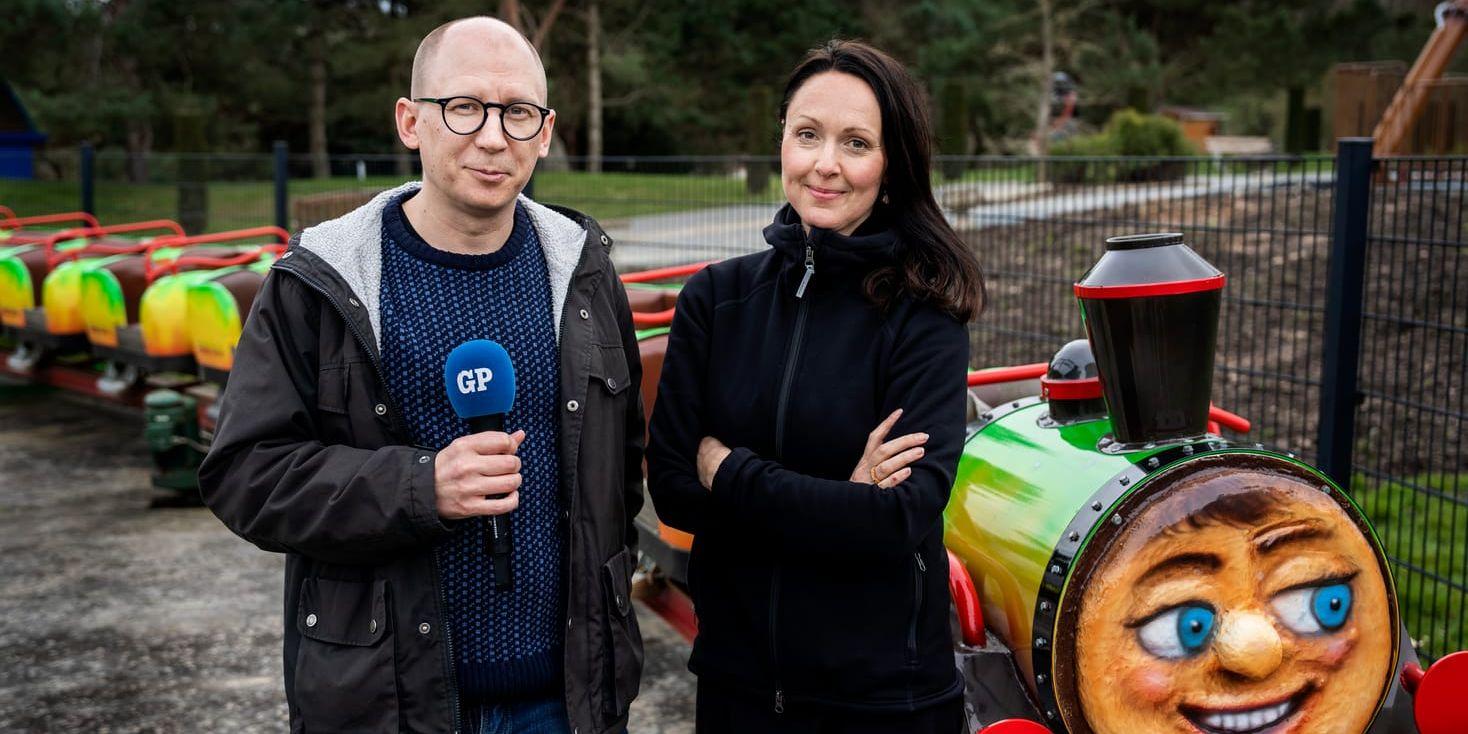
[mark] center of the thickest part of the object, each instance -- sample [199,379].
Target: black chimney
[1151,310]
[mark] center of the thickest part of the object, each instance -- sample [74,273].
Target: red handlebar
[996,375]
[203,239]
[200,261]
[649,276]
[647,320]
[1232,421]
[18,222]
[52,260]
[966,603]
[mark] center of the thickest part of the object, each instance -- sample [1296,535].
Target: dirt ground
[115,617]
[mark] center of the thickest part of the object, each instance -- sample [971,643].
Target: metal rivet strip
[994,414]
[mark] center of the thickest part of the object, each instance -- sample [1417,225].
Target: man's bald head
[492,34]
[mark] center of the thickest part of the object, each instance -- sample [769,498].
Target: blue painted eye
[1332,605]
[1179,632]
[1313,609]
[1194,626]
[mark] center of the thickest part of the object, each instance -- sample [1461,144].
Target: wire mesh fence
[1410,471]
[1036,224]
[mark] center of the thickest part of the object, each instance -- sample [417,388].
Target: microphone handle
[499,540]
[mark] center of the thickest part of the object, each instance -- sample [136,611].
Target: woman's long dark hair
[936,266]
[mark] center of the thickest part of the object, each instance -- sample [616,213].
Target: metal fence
[1344,332]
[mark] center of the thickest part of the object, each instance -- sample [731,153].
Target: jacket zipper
[793,356]
[793,352]
[917,606]
[376,361]
[774,644]
[448,640]
[570,499]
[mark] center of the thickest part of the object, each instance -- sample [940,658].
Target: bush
[1128,133]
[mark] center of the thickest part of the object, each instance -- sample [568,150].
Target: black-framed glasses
[466,115]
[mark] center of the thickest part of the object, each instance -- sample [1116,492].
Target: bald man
[336,444]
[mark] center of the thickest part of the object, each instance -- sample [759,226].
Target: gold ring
[875,480]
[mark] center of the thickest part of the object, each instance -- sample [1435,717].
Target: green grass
[232,205]
[608,196]
[1429,532]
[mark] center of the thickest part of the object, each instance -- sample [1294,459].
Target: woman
[821,589]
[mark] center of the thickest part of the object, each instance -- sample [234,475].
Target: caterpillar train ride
[1115,564]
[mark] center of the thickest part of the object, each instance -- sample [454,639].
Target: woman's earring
[885,200]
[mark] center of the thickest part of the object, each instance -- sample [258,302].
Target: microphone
[480,382]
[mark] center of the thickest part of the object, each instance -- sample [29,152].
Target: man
[337,445]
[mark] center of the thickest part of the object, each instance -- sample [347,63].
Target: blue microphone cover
[479,379]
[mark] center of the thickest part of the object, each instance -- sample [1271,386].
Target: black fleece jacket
[809,586]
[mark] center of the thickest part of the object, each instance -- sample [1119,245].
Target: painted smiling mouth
[1245,721]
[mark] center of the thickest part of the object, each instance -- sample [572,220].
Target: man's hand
[478,474]
[711,454]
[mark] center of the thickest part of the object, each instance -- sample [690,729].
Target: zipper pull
[779,701]
[810,269]
[921,566]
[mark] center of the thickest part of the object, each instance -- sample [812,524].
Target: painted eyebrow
[1271,539]
[1206,562]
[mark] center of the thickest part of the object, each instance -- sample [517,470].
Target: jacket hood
[872,245]
[352,246]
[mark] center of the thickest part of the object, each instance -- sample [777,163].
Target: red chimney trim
[1144,290]
[1086,388]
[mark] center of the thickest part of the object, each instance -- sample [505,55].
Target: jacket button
[310,620]
[423,460]
[287,254]
[566,515]
[424,628]
[585,314]
[573,406]
[380,409]
[372,623]
[603,239]
[354,302]
[611,384]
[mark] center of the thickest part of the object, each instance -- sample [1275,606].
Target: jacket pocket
[346,674]
[610,368]
[622,660]
[919,584]
[331,389]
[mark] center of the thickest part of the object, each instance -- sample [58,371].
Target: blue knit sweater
[506,645]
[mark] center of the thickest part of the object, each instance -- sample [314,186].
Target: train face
[1150,576]
[1239,593]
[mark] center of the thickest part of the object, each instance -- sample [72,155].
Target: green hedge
[1127,133]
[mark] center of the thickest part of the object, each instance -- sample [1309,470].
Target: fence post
[282,183]
[88,175]
[1343,305]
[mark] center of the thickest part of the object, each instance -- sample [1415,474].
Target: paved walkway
[715,233]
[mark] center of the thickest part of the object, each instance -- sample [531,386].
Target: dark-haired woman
[818,570]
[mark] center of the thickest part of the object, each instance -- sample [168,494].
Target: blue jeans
[542,716]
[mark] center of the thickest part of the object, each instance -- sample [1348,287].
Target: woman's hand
[711,454]
[885,464]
